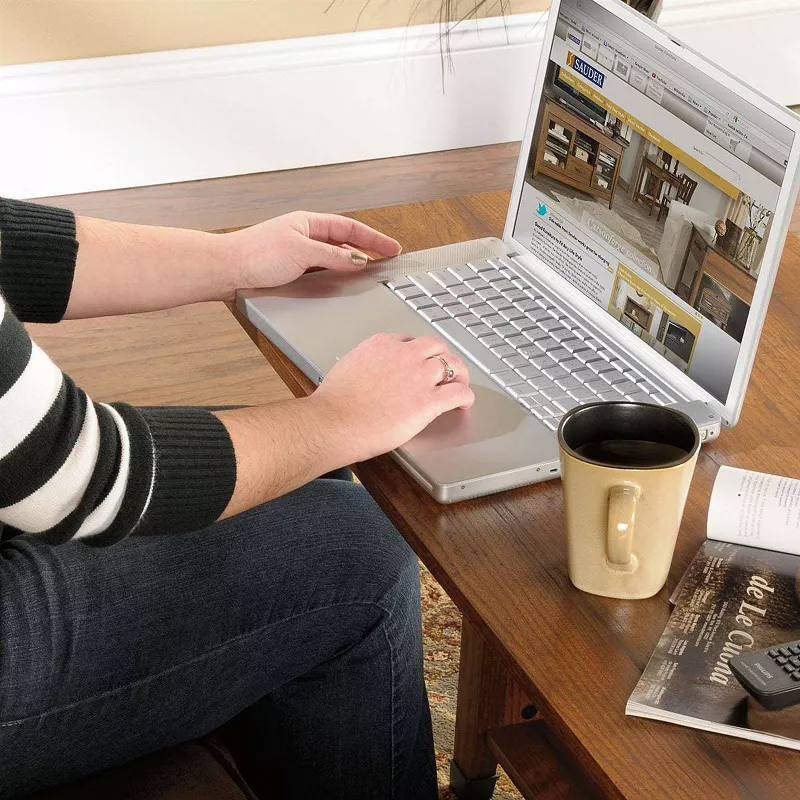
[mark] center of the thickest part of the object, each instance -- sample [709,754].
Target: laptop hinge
[707,420]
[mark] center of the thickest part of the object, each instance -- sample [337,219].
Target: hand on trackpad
[389,388]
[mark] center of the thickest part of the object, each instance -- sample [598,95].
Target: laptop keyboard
[532,348]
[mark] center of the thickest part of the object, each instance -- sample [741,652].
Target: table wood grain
[503,561]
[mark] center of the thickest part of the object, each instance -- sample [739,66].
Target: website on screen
[652,189]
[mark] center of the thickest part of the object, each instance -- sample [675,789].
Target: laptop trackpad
[496,435]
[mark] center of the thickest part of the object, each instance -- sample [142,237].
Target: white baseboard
[757,40]
[122,121]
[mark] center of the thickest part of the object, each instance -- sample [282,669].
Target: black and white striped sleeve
[70,467]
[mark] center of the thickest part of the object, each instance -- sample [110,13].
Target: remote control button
[785,651]
[796,675]
[795,660]
[781,660]
[789,667]
[795,648]
[773,653]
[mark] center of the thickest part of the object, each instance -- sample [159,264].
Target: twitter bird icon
[542,209]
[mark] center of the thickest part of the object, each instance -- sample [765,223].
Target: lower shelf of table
[536,769]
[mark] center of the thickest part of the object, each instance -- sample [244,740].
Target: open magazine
[736,596]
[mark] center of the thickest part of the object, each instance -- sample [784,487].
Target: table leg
[487,698]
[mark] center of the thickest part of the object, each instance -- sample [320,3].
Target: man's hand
[388,389]
[282,249]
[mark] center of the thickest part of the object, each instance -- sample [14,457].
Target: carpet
[441,624]
[611,219]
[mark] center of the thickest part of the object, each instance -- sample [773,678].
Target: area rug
[613,226]
[610,219]
[441,624]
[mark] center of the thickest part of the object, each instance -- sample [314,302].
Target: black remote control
[772,676]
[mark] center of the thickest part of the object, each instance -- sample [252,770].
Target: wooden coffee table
[536,648]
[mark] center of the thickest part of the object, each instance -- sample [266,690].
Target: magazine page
[733,599]
[755,509]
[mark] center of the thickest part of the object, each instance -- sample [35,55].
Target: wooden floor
[247,199]
[198,355]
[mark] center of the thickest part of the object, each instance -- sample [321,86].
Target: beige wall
[51,30]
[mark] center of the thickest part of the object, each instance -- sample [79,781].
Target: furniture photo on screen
[715,283]
[572,144]
[678,339]
[684,194]
[651,181]
[639,314]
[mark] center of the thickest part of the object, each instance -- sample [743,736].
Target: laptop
[650,206]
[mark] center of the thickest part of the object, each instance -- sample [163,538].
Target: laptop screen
[652,188]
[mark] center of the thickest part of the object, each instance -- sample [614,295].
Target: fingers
[333,228]
[329,256]
[430,350]
[431,346]
[454,395]
[437,369]
[393,337]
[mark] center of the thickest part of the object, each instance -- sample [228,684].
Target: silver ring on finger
[449,372]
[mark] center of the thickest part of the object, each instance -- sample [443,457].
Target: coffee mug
[626,470]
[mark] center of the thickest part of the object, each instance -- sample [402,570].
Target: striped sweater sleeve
[71,467]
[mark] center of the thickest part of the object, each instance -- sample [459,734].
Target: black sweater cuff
[38,250]
[195,470]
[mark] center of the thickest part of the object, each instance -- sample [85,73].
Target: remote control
[772,676]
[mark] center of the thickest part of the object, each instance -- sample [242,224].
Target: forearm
[123,269]
[282,446]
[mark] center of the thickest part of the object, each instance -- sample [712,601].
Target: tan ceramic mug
[626,470]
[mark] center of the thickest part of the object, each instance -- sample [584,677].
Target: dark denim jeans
[301,615]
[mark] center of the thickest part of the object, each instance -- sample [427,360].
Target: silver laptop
[650,206]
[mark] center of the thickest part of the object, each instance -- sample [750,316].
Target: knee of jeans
[375,551]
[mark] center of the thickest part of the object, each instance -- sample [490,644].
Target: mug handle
[622,503]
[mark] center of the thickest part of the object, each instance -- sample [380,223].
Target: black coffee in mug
[629,435]
[631,453]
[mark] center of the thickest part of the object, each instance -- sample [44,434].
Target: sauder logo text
[586,70]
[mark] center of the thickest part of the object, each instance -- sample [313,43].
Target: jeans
[302,616]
